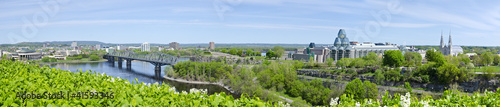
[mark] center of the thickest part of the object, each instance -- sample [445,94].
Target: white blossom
[172,89]
[358,104]
[424,103]
[369,102]
[111,80]
[405,100]
[333,102]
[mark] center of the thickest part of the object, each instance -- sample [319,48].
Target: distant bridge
[158,59]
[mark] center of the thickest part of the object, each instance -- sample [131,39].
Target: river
[143,71]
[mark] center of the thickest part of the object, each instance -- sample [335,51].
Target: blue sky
[410,22]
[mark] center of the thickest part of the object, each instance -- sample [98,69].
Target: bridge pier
[157,71]
[112,59]
[129,63]
[120,60]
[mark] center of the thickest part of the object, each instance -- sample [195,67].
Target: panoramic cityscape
[250,53]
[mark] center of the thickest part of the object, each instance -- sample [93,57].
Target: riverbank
[49,63]
[201,82]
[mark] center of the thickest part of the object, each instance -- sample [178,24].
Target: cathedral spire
[449,42]
[442,41]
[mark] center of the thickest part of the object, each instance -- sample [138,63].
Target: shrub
[359,90]
[379,77]
[425,78]
[94,58]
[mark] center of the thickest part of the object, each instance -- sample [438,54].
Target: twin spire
[442,41]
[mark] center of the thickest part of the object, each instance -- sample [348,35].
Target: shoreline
[69,62]
[200,82]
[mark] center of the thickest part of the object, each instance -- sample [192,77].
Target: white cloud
[97,22]
[408,25]
[438,14]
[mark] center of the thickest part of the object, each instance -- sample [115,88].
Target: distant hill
[158,44]
[62,42]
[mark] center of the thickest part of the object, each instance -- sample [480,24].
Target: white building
[343,48]
[27,54]
[74,45]
[160,48]
[98,47]
[134,47]
[68,52]
[449,49]
[145,46]
[120,47]
[59,57]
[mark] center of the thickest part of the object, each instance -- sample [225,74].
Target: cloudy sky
[410,22]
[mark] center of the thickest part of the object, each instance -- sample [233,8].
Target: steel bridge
[158,59]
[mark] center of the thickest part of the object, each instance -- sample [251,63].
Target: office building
[174,45]
[145,46]
[211,46]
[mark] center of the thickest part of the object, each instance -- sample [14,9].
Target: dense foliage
[260,80]
[359,90]
[393,58]
[412,59]
[450,98]
[201,71]
[20,77]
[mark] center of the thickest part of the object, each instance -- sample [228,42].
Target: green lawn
[477,69]
[256,57]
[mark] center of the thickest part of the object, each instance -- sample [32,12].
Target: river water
[143,71]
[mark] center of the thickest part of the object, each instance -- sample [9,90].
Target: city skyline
[472,23]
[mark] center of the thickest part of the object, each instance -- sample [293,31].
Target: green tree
[359,90]
[270,54]
[488,72]
[344,62]
[257,53]
[94,58]
[250,52]
[371,90]
[240,53]
[45,59]
[408,87]
[279,51]
[435,56]
[413,59]
[233,51]
[371,59]
[223,51]
[379,76]
[448,73]
[356,89]
[358,62]
[477,60]
[298,64]
[329,62]
[496,60]
[487,58]
[393,58]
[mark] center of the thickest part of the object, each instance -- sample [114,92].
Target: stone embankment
[200,82]
[226,59]
[470,86]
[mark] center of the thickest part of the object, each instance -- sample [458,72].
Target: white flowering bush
[449,99]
